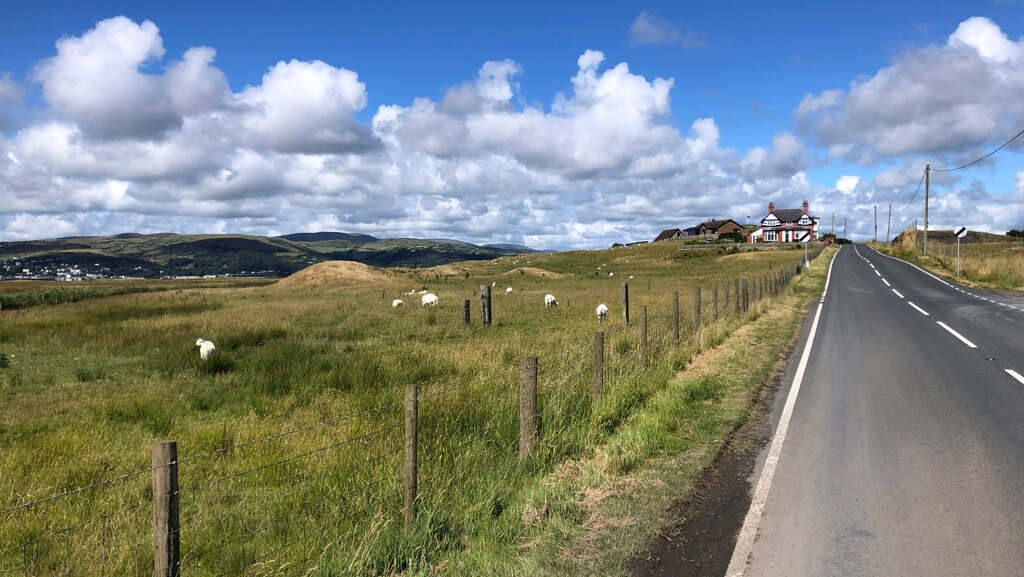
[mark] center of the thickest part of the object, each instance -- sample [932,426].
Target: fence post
[625,301]
[598,368]
[485,305]
[736,285]
[675,317]
[696,309]
[746,295]
[643,333]
[465,312]
[411,419]
[528,407]
[725,302]
[166,530]
[714,303]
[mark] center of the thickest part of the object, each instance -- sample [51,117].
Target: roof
[788,214]
[692,229]
[667,234]
[717,224]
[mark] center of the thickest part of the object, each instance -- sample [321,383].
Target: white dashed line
[919,309]
[957,335]
[1015,375]
[897,293]
[886,283]
[878,273]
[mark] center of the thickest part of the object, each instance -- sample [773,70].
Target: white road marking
[745,541]
[886,282]
[957,335]
[1015,375]
[897,293]
[919,309]
[878,273]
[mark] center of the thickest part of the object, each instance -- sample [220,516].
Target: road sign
[961,232]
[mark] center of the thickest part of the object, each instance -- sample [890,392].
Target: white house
[786,225]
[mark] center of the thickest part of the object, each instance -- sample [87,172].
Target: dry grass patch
[333,273]
[534,271]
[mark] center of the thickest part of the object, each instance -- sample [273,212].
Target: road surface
[903,452]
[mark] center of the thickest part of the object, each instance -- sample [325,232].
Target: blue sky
[745,66]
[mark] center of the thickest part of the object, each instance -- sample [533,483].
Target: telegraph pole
[888,227]
[927,183]
[844,229]
[876,223]
[833,224]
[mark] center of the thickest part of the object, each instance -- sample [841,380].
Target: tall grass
[90,385]
[992,264]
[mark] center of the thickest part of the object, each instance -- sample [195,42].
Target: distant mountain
[167,254]
[318,236]
[519,248]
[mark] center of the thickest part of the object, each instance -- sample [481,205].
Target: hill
[174,255]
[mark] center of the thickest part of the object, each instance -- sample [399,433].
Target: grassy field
[19,294]
[998,265]
[290,437]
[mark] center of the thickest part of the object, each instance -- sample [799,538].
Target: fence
[344,494]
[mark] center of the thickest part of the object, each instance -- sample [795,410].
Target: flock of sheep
[429,299]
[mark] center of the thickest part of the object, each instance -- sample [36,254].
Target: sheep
[429,299]
[550,301]
[493,283]
[412,292]
[423,292]
[397,303]
[630,277]
[602,311]
[508,291]
[611,274]
[205,348]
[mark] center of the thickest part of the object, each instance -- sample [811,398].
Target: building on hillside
[786,225]
[717,227]
[669,234]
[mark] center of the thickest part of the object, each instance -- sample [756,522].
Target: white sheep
[630,277]
[550,301]
[429,299]
[602,311]
[397,303]
[423,292]
[412,292]
[493,283]
[611,274]
[508,291]
[205,348]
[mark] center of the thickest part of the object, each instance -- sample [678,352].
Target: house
[692,231]
[717,227]
[669,234]
[786,225]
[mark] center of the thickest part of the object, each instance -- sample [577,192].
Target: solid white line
[919,309]
[897,293]
[1015,375]
[886,283]
[745,541]
[878,273]
[957,335]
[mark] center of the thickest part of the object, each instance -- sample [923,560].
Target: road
[903,450]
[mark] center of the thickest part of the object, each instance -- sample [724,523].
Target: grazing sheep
[611,274]
[429,299]
[508,291]
[630,277]
[550,301]
[423,292]
[205,348]
[397,303]
[602,311]
[493,283]
[412,292]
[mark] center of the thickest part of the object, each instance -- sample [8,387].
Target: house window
[769,236]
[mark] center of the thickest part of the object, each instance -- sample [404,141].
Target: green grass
[89,386]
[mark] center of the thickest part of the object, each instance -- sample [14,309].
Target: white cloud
[846,183]
[649,28]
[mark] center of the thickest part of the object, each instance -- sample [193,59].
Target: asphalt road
[904,453]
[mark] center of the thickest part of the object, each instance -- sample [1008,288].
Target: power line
[916,192]
[977,160]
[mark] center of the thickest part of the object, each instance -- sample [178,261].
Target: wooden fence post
[714,303]
[696,309]
[675,317]
[166,529]
[465,312]
[485,305]
[528,406]
[725,302]
[411,419]
[643,333]
[736,285]
[746,295]
[598,389]
[625,301]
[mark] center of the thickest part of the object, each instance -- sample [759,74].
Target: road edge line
[752,521]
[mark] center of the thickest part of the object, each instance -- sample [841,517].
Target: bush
[4,361]
[1016,232]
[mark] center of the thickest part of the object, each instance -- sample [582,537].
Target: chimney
[805,207]
[771,207]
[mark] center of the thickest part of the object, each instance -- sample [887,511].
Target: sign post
[960,233]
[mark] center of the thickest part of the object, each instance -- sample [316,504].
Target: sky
[551,124]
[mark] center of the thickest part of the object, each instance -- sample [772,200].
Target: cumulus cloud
[650,29]
[946,101]
[11,97]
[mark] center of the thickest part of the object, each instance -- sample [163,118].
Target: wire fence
[329,497]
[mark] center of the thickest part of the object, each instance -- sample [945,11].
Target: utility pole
[844,229]
[888,227]
[876,223]
[927,183]
[833,224]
